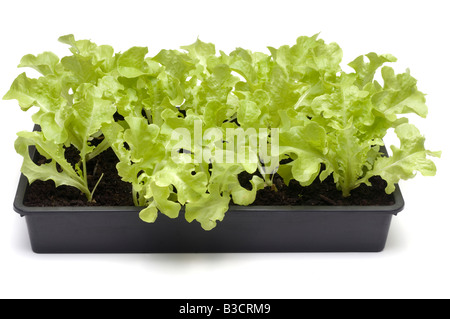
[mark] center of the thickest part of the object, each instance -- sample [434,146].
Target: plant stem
[85,179]
[300,100]
[135,197]
[95,187]
[103,146]
[274,188]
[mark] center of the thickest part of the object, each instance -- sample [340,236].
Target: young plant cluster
[175,120]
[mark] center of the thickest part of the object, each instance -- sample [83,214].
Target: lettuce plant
[71,97]
[185,124]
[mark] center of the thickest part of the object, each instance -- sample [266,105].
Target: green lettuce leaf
[209,209]
[405,161]
[307,145]
[67,175]
[45,63]
[131,63]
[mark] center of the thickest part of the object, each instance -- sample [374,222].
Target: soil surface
[112,191]
[323,194]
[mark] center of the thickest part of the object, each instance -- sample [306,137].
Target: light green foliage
[185,124]
[48,171]
[72,101]
[406,160]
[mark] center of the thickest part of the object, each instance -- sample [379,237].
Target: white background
[416,262]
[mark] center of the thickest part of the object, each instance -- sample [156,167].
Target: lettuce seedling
[185,124]
[71,97]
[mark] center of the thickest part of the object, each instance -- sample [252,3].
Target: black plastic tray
[244,229]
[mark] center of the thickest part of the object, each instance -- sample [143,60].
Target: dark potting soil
[112,191]
[323,194]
